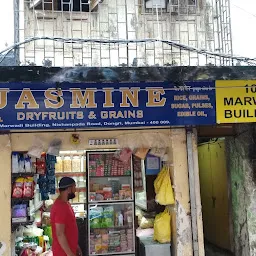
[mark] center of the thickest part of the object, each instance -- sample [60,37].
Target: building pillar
[5,192]
[181,219]
[198,203]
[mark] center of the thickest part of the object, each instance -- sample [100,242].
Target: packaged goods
[92,196]
[126,186]
[18,187]
[28,189]
[15,162]
[95,217]
[141,153]
[41,165]
[21,163]
[125,155]
[128,194]
[108,217]
[107,191]
[162,227]
[120,219]
[122,194]
[147,223]
[28,167]
[99,195]
[19,211]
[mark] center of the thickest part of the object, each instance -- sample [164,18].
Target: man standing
[63,221]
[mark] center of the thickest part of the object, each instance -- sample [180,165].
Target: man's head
[67,186]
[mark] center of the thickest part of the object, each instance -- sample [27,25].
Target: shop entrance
[214,185]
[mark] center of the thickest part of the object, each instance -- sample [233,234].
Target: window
[73,5]
[183,7]
[61,5]
[156,4]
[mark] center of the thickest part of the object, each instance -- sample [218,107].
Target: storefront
[105,117]
[21,143]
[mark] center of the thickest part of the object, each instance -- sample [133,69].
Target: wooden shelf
[23,174]
[17,200]
[15,226]
[111,176]
[77,190]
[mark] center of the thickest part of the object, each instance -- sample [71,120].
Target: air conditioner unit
[154,4]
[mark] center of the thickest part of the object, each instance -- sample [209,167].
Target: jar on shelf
[67,164]
[59,164]
[76,199]
[81,182]
[82,197]
[76,164]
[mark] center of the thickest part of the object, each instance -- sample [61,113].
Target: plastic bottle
[15,162]
[120,220]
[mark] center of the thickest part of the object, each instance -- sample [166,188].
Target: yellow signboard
[235,101]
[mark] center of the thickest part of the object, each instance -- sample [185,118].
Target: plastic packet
[37,148]
[18,187]
[54,147]
[28,164]
[28,189]
[15,162]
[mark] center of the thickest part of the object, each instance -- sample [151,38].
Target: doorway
[214,186]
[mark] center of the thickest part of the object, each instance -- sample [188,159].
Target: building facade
[202,24]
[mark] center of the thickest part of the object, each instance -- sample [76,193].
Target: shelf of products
[110,205]
[70,162]
[109,178]
[111,228]
[73,164]
[25,195]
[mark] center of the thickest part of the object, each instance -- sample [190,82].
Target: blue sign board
[105,105]
[153,165]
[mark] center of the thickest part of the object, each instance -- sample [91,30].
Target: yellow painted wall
[214,193]
[22,142]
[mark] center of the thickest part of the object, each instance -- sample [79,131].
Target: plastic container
[59,164]
[67,164]
[76,164]
[15,162]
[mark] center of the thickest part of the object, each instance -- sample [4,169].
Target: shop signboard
[235,100]
[106,105]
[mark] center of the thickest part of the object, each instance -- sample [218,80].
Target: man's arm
[60,232]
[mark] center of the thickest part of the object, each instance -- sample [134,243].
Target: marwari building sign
[236,101]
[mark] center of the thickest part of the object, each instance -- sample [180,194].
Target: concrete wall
[241,154]
[181,230]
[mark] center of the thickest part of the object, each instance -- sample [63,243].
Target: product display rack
[17,222]
[72,164]
[111,206]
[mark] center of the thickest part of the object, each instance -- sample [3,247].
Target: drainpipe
[194,190]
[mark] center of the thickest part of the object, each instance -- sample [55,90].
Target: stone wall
[240,154]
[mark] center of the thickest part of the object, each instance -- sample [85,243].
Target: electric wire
[6,51]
